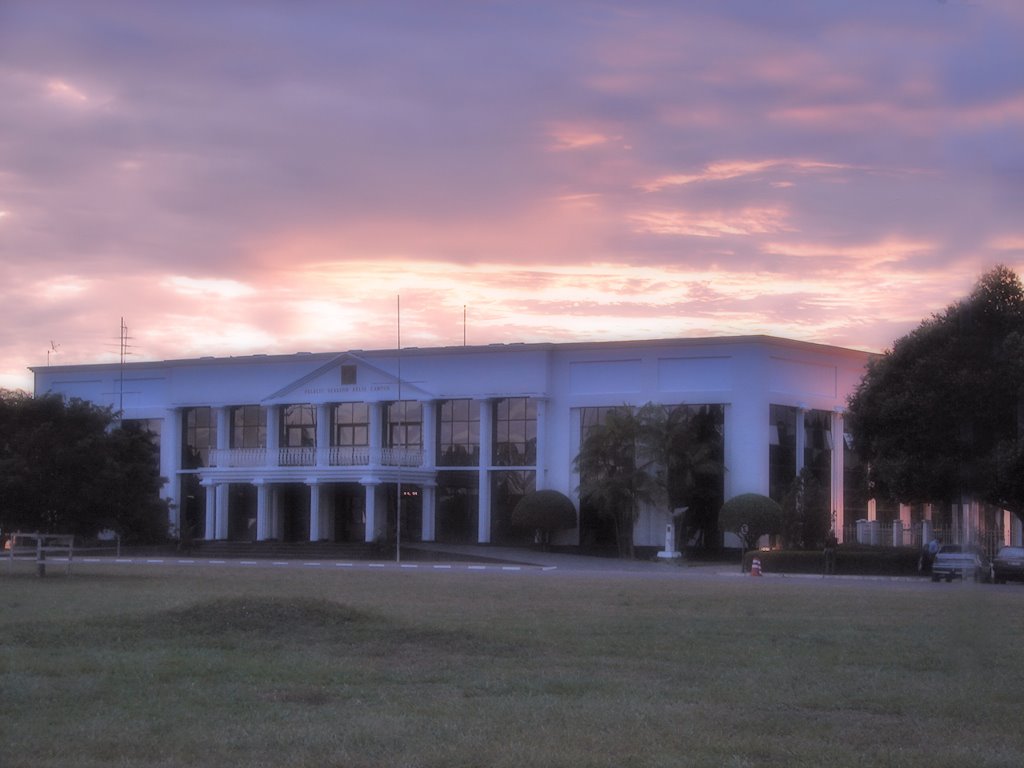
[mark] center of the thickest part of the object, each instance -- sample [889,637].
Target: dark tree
[806,518]
[65,467]
[937,418]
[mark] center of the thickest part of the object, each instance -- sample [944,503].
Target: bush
[545,510]
[850,560]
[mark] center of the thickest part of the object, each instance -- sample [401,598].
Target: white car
[956,561]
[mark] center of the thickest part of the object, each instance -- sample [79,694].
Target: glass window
[199,435]
[248,426]
[515,432]
[781,450]
[350,425]
[298,426]
[458,433]
[404,427]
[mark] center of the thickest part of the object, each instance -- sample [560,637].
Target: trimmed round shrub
[761,514]
[545,510]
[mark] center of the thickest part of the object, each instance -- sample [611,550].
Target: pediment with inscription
[348,378]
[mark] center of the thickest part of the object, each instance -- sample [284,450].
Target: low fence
[875,534]
[39,548]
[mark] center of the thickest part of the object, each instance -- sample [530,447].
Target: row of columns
[268,524]
[321,522]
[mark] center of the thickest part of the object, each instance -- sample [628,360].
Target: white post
[223,510]
[838,473]
[262,509]
[428,497]
[370,487]
[273,435]
[210,524]
[486,457]
[323,436]
[542,442]
[314,509]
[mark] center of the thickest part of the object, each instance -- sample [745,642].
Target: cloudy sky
[271,175]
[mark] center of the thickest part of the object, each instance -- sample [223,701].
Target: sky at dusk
[270,175]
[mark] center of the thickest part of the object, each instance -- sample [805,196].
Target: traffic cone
[755,567]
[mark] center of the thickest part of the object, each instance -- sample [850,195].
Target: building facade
[329,446]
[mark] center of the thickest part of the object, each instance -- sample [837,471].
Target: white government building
[316,446]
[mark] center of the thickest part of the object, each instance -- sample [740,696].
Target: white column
[210,524]
[170,465]
[486,457]
[747,438]
[323,436]
[376,433]
[262,509]
[428,498]
[273,435]
[429,433]
[373,524]
[542,445]
[838,473]
[315,523]
[222,510]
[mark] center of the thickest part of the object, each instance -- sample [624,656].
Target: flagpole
[400,456]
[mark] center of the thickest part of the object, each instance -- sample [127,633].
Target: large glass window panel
[199,436]
[515,432]
[507,489]
[781,450]
[458,433]
[249,426]
[351,425]
[298,426]
[404,427]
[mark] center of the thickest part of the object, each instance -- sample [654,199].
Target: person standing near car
[830,552]
[928,556]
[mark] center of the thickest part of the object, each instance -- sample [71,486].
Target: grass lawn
[119,666]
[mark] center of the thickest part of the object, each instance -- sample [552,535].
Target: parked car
[1008,564]
[956,561]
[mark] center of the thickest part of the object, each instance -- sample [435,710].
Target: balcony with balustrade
[307,456]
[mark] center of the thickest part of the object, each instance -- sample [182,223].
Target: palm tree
[685,444]
[612,479]
[668,455]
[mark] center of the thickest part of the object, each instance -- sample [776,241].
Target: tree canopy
[68,467]
[751,516]
[544,511]
[938,417]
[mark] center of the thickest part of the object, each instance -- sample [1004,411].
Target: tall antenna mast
[124,352]
[463,325]
[400,455]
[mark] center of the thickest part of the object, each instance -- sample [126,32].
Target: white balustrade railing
[401,457]
[307,456]
[238,457]
[297,457]
[349,456]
